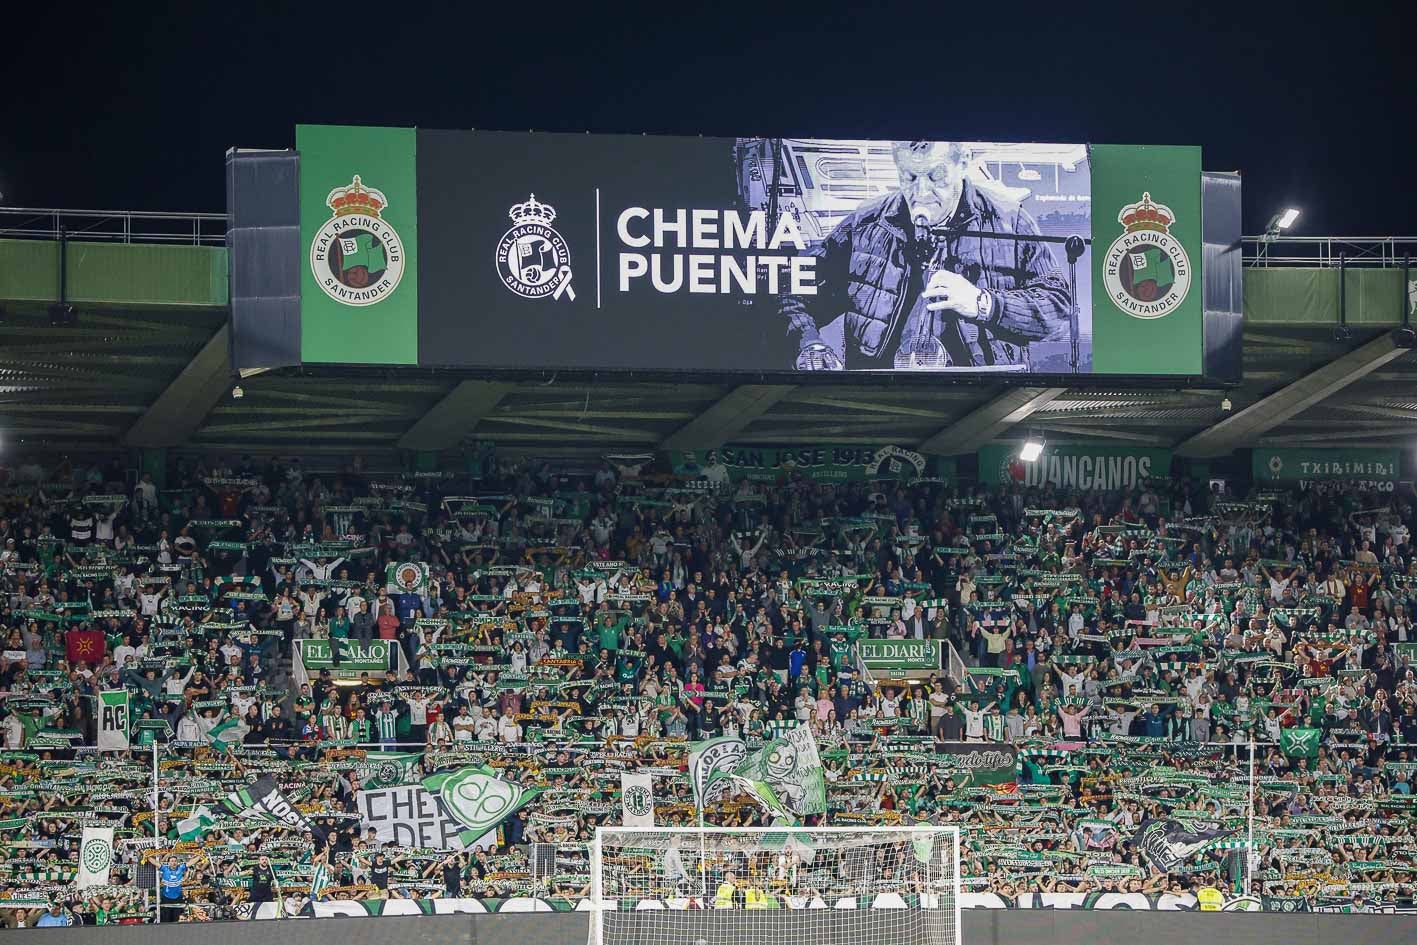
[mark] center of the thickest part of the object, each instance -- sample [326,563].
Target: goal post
[775,885]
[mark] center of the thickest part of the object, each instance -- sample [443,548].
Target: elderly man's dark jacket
[871,269]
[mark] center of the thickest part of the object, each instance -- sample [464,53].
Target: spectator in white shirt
[973,721]
[509,732]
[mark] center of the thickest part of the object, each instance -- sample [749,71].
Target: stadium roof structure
[143,362]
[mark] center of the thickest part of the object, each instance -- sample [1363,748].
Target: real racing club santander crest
[532,258]
[357,257]
[1146,269]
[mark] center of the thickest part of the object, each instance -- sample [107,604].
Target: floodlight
[1282,220]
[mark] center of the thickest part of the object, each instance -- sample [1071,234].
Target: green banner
[1085,467]
[1146,260]
[359,235]
[897,655]
[1378,468]
[355,658]
[822,463]
[976,764]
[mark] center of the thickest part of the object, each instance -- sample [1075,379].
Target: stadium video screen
[781,255]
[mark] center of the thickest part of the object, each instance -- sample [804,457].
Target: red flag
[86,645]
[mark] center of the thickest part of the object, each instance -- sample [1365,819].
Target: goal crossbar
[839,885]
[728,831]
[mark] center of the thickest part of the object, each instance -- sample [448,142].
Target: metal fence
[956,664]
[553,863]
[113,226]
[1327,252]
[209,229]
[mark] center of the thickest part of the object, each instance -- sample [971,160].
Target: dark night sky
[132,107]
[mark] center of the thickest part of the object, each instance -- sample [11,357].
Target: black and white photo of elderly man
[930,276]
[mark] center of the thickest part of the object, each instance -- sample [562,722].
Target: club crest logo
[1146,269]
[97,855]
[1302,741]
[1012,470]
[408,576]
[357,257]
[638,801]
[532,258]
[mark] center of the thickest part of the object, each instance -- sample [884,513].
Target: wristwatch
[984,303]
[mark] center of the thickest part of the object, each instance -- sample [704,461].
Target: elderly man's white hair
[952,151]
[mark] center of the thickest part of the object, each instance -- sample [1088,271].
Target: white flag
[95,857]
[113,720]
[637,799]
[673,869]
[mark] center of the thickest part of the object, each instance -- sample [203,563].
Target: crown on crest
[1146,215]
[532,212]
[356,198]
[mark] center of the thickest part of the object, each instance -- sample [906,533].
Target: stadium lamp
[1281,221]
[1032,449]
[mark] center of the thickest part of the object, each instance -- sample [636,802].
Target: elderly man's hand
[952,292]
[818,357]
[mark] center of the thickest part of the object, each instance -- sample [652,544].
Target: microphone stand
[1075,247]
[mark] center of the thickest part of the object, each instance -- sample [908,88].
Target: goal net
[775,886]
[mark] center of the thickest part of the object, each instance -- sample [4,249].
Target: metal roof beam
[455,416]
[1105,433]
[1245,427]
[730,414]
[973,430]
[180,410]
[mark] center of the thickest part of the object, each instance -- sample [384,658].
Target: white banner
[411,816]
[637,799]
[113,720]
[95,857]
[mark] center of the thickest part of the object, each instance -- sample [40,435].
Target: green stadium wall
[144,274]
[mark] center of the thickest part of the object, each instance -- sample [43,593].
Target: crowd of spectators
[1158,653]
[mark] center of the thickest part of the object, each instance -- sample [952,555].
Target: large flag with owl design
[785,775]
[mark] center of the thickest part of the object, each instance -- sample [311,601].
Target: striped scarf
[319,880]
